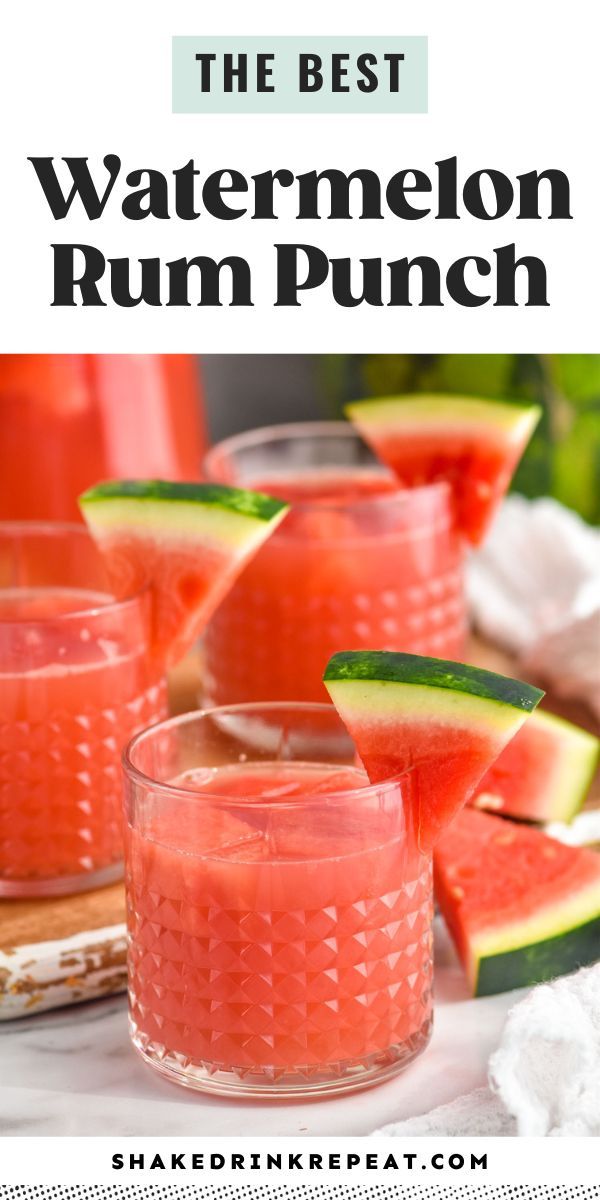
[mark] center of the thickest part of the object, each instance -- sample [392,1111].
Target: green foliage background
[563,458]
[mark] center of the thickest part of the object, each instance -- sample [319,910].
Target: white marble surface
[73,1072]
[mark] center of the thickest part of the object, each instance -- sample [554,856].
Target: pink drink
[357,564]
[76,683]
[280,927]
[69,420]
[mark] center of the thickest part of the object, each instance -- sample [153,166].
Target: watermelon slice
[445,722]
[543,774]
[521,907]
[473,444]
[187,541]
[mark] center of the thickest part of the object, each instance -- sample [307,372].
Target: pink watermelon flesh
[478,461]
[479,475]
[441,723]
[520,906]
[445,766]
[184,542]
[543,774]
[187,581]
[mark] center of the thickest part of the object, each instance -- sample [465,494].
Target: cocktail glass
[279,908]
[357,564]
[77,682]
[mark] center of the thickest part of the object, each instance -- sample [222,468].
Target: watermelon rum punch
[69,420]
[358,562]
[76,683]
[279,908]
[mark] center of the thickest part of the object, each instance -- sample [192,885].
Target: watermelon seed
[488,801]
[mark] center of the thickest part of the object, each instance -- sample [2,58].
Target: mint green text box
[411,96]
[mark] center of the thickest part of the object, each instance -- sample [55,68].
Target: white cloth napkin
[544,1078]
[534,588]
[583,830]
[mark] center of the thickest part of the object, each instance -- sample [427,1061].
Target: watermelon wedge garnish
[543,774]
[444,722]
[521,907]
[472,444]
[186,541]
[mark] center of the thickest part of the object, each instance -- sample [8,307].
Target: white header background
[512,86]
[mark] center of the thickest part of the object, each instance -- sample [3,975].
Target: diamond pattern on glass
[61,814]
[281,992]
[258,640]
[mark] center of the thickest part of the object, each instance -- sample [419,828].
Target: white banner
[395,1162]
[511,96]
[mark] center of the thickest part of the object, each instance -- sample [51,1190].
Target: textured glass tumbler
[357,564]
[76,683]
[279,909]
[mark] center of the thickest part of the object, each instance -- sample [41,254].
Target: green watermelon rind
[579,752]
[539,961]
[255,505]
[515,918]
[393,667]
[186,541]
[460,411]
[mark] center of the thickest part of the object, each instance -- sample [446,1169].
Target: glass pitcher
[70,420]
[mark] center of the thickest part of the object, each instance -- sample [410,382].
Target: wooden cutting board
[58,951]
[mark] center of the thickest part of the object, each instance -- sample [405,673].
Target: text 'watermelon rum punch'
[279,894]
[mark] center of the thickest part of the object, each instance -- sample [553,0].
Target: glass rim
[64,528]
[195,716]
[334,429]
